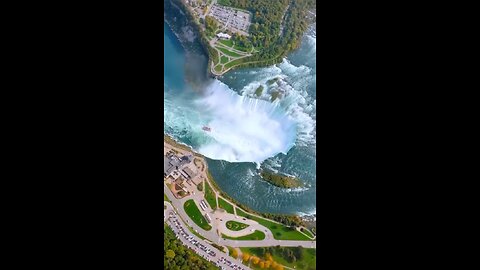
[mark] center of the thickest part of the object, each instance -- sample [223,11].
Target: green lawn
[279,231]
[228,43]
[241,213]
[224,59]
[195,215]
[218,68]
[210,196]
[225,205]
[257,235]
[307,232]
[233,63]
[229,53]
[242,49]
[236,226]
[165,198]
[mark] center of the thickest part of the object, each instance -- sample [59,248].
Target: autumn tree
[268,256]
[235,253]
[246,257]
[170,254]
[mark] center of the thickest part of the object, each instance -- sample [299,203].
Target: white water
[291,82]
[242,129]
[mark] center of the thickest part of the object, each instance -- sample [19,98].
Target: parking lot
[201,247]
[235,20]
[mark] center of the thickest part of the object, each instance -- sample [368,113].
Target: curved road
[214,237]
[178,226]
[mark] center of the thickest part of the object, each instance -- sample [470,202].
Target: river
[249,130]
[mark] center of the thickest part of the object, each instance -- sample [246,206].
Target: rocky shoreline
[196,71]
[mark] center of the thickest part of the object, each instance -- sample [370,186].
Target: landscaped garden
[210,196]
[236,226]
[279,231]
[194,213]
[225,205]
[257,235]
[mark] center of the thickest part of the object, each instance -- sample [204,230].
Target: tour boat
[206,128]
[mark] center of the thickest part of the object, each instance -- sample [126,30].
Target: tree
[235,253]
[255,260]
[170,254]
[262,264]
[246,257]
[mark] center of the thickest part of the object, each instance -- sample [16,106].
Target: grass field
[257,235]
[224,59]
[228,43]
[225,205]
[165,198]
[197,217]
[210,196]
[233,63]
[229,53]
[242,49]
[236,226]
[241,213]
[279,231]
[307,232]
[218,68]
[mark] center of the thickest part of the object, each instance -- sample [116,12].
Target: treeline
[288,220]
[211,25]
[290,254]
[178,257]
[267,255]
[266,32]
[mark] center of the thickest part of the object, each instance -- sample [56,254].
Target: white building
[223,36]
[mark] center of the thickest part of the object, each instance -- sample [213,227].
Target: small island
[280,180]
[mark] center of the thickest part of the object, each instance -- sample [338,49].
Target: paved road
[221,218]
[194,243]
[213,236]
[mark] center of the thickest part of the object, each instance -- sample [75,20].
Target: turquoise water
[248,130]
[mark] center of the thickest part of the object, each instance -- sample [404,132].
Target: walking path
[179,227]
[220,217]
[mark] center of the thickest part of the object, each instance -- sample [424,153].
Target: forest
[277,27]
[280,180]
[176,256]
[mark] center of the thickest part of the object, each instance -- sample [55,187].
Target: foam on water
[242,129]
[280,134]
[292,83]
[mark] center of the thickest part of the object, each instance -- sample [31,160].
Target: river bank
[197,71]
[288,220]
